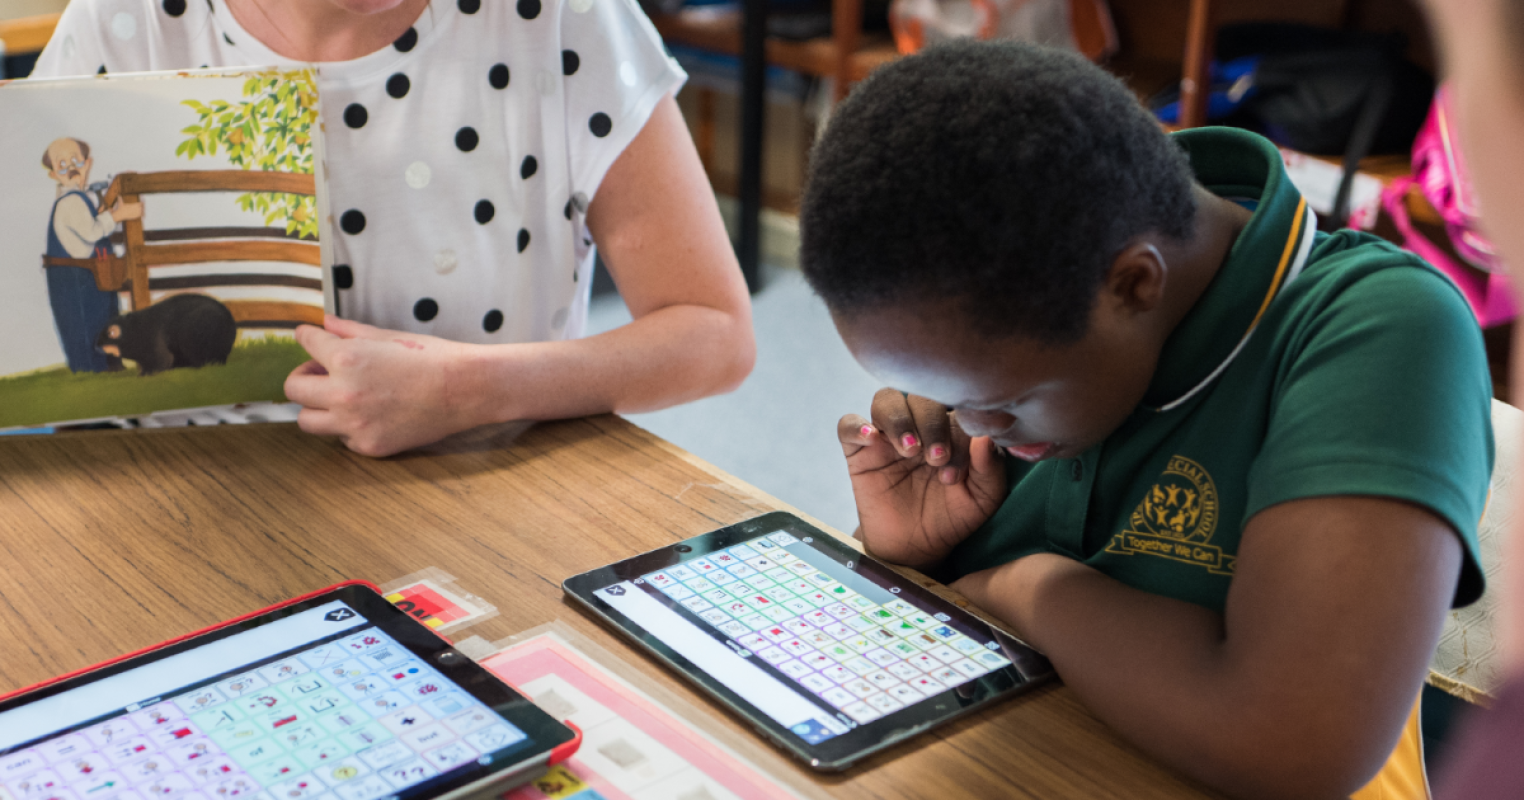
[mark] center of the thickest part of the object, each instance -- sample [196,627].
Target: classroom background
[1344,86]
[778,430]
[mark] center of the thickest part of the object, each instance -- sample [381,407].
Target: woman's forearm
[669,356]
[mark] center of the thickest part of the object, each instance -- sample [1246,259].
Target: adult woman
[476,151]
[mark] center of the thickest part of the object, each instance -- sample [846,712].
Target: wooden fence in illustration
[147,250]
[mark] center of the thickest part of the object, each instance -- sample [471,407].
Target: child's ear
[1136,279]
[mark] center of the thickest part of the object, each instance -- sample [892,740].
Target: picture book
[161,237]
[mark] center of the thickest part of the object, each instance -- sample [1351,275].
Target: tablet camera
[682,548]
[449,657]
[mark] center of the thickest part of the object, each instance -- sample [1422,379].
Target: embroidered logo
[1176,519]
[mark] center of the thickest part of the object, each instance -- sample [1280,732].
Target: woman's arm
[656,223]
[1299,689]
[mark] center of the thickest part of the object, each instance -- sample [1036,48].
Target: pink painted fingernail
[909,440]
[937,451]
[867,430]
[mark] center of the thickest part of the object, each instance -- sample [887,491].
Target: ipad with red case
[335,695]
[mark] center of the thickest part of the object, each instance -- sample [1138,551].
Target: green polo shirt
[1314,364]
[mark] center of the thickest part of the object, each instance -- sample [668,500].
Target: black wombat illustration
[186,330]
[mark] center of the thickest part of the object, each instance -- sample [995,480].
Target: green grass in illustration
[256,370]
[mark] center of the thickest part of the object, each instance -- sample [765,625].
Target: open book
[161,236]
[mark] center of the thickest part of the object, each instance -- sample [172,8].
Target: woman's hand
[921,484]
[380,391]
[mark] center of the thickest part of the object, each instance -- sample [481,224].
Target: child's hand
[922,485]
[380,391]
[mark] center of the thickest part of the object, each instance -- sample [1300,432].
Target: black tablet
[332,696]
[825,651]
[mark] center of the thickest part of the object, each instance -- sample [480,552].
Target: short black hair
[1002,176]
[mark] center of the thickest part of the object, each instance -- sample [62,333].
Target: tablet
[332,696]
[828,653]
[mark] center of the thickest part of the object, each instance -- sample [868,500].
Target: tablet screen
[322,704]
[839,651]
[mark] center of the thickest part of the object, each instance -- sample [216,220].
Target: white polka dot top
[461,159]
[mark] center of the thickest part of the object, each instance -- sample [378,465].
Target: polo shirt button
[1077,472]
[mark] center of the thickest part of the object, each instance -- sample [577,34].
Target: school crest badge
[1176,519]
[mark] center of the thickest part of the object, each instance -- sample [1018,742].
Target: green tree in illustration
[270,129]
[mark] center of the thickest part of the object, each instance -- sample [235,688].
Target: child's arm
[921,484]
[1299,689]
[655,220]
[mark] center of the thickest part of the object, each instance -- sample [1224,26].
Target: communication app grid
[353,719]
[843,639]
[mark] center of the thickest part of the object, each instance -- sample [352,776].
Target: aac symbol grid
[281,727]
[863,658]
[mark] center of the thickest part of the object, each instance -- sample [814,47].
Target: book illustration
[186,330]
[192,260]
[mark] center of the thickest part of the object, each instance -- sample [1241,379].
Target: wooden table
[112,541]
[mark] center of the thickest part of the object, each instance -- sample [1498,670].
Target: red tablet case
[557,755]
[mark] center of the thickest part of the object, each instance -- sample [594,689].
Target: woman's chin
[367,6]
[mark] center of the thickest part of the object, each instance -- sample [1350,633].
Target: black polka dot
[210,7]
[485,212]
[529,9]
[498,76]
[529,167]
[466,139]
[226,39]
[425,309]
[567,210]
[523,239]
[174,8]
[469,6]
[600,124]
[492,321]
[343,276]
[355,115]
[101,71]
[569,62]
[406,41]
[352,222]
[397,85]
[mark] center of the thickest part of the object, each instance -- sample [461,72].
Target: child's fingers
[982,455]
[934,427]
[986,468]
[893,418]
[855,433]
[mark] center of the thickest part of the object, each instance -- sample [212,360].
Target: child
[1224,470]
[476,151]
